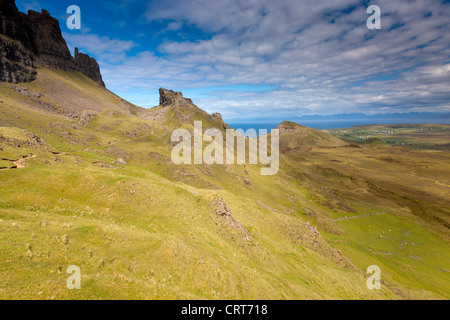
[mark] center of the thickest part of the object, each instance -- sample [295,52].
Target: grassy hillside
[96,188]
[293,136]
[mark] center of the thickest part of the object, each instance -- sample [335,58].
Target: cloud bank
[261,57]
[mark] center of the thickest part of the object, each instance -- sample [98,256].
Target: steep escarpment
[88,66]
[34,40]
[17,64]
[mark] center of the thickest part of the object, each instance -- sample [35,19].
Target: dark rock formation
[31,41]
[217,116]
[13,23]
[48,43]
[172,98]
[184,110]
[88,66]
[16,62]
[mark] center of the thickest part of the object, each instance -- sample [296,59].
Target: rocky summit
[172,98]
[34,40]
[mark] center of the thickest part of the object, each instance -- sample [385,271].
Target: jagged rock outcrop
[48,43]
[217,116]
[13,23]
[16,62]
[182,110]
[172,98]
[234,227]
[86,116]
[88,66]
[33,40]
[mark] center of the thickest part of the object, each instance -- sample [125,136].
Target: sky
[266,58]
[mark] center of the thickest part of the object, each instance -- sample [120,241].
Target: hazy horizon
[341,121]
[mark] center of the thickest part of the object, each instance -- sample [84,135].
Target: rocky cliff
[178,110]
[172,98]
[33,40]
[88,66]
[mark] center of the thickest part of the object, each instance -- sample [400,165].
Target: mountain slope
[146,232]
[293,136]
[164,231]
[87,179]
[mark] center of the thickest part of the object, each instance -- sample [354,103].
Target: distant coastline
[340,122]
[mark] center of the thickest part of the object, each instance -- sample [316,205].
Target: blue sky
[259,58]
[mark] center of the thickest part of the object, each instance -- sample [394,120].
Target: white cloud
[318,57]
[104,48]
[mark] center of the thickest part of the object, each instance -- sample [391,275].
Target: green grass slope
[293,135]
[95,187]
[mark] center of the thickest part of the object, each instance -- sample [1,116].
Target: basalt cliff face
[33,40]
